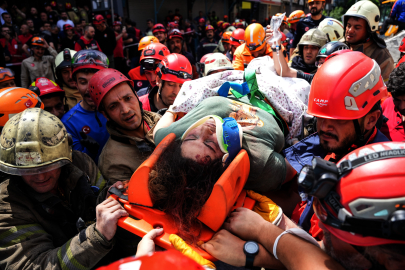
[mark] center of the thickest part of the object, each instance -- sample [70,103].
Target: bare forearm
[282,67]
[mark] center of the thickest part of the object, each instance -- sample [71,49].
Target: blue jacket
[398,11]
[301,154]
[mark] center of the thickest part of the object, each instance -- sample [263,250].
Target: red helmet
[237,37]
[176,18]
[68,6]
[225,16]
[364,203]
[99,19]
[67,27]
[170,259]
[240,25]
[103,81]
[117,23]
[400,61]
[209,27]
[220,23]
[253,21]
[46,86]
[346,87]
[173,25]
[202,20]
[175,33]
[175,68]
[156,51]
[89,59]
[158,28]
[402,46]
[225,25]
[53,4]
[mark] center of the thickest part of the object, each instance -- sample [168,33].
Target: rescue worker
[215,63]
[394,107]
[286,71]
[201,65]
[87,41]
[207,44]
[130,127]
[332,28]
[51,95]
[46,200]
[224,44]
[87,126]
[138,74]
[347,109]
[397,17]
[159,31]
[254,46]
[237,38]
[352,211]
[308,48]
[11,102]
[105,38]
[173,70]
[151,56]
[7,78]
[361,23]
[292,20]
[38,64]
[316,7]
[63,74]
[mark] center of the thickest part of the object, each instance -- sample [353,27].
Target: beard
[315,11]
[348,260]
[344,143]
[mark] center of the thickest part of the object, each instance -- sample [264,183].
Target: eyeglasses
[178,74]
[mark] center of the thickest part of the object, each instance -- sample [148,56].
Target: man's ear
[371,119]
[158,81]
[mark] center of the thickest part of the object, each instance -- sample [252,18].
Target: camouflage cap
[314,37]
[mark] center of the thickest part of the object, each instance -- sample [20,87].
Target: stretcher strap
[120,195]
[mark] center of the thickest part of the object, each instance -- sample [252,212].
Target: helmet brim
[32,170]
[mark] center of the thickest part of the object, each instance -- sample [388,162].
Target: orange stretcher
[227,194]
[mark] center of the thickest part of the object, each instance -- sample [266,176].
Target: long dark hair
[180,187]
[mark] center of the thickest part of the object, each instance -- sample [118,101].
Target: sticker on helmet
[323,51]
[27,158]
[330,22]
[86,129]
[28,103]
[321,102]
[108,82]
[306,28]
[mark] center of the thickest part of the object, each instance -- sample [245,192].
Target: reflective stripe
[67,260]
[17,234]
[8,90]
[100,183]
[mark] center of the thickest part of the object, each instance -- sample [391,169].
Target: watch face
[251,247]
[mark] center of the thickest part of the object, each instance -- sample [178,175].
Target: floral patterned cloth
[289,96]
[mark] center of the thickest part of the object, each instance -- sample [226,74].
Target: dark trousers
[389,21]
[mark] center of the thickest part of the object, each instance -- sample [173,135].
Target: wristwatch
[251,249]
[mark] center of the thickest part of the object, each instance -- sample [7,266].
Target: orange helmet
[145,41]
[219,24]
[237,37]
[38,42]
[310,1]
[6,74]
[255,37]
[226,37]
[296,16]
[14,100]
[284,19]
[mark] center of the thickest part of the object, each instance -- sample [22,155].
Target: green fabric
[257,98]
[262,138]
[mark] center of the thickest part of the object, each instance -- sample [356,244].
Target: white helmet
[332,28]
[366,10]
[217,61]
[230,29]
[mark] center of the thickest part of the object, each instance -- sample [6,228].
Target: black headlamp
[178,74]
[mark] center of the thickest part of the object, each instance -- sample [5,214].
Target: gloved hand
[90,143]
[186,250]
[266,207]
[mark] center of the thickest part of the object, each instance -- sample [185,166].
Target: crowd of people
[308,115]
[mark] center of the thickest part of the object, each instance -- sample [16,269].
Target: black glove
[90,143]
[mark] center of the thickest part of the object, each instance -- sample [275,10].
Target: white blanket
[289,96]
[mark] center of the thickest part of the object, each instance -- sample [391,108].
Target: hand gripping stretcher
[227,195]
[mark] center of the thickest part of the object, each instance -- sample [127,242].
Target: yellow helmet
[145,41]
[255,37]
[32,142]
[365,10]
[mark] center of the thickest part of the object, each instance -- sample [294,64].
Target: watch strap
[249,261]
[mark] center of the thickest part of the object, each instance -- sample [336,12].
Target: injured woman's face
[201,144]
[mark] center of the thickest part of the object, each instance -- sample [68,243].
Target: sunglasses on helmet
[150,64]
[178,74]
[6,72]
[86,57]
